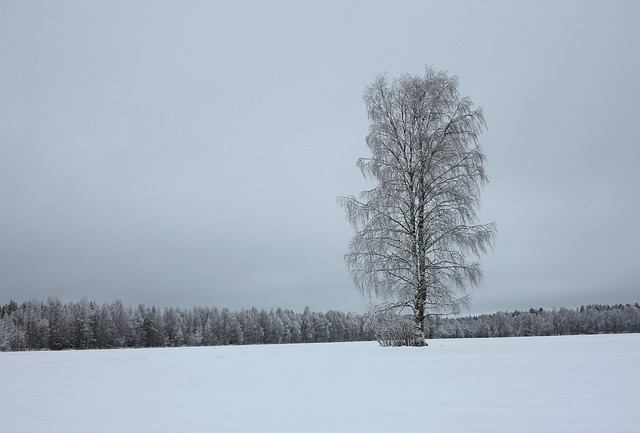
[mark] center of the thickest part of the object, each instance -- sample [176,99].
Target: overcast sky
[190,153]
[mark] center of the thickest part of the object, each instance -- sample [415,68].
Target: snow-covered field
[537,384]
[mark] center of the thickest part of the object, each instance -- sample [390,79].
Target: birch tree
[417,238]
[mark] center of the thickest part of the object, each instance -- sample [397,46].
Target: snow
[567,384]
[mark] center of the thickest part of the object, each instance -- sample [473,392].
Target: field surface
[536,384]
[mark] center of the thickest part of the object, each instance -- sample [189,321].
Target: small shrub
[394,330]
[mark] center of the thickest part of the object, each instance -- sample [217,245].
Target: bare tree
[416,231]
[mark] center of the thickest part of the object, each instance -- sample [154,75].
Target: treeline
[38,325]
[592,319]
[52,325]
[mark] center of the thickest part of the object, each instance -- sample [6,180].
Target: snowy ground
[537,384]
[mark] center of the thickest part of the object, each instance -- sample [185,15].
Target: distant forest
[590,319]
[36,325]
[52,325]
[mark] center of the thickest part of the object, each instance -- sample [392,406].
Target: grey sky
[190,153]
